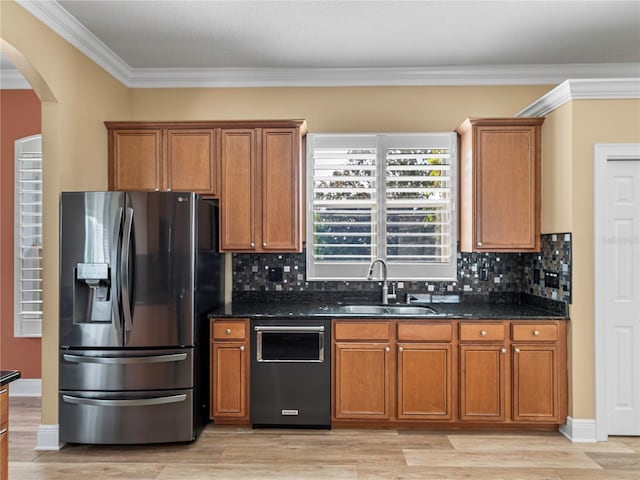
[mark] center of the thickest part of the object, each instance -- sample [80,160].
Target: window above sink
[389,196]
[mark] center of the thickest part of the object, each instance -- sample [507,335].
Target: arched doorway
[48,102]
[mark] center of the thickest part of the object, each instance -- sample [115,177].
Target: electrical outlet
[551,279]
[275,274]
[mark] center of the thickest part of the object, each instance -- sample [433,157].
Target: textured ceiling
[348,34]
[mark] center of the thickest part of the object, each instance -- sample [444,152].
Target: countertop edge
[8,376]
[311,312]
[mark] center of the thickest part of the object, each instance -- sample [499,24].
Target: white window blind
[28,237]
[388,196]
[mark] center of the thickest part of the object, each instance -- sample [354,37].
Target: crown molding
[12,79]
[65,25]
[583,89]
[348,77]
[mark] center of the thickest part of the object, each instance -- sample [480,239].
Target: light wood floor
[241,453]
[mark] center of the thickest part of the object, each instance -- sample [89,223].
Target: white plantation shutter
[388,196]
[28,237]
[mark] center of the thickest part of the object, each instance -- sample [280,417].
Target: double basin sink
[387,310]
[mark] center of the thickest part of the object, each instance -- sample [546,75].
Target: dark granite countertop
[7,376]
[444,311]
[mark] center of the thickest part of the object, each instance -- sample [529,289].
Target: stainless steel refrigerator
[138,274]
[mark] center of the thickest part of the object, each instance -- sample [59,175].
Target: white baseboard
[48,438]
[580,430]
[26,387]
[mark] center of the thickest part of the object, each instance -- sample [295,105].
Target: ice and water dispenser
[92,293]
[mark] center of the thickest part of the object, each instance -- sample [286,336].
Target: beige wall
[77,96]
[569,136]
[345,109]
[556,170]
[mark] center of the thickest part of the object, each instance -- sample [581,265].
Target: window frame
[25,327]
[407,271]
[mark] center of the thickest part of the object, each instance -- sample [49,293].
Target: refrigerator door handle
[124,270]
[173,357]
[143,402]
[116,320]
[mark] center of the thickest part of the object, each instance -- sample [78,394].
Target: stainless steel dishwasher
[291,372]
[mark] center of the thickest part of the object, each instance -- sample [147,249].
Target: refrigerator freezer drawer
[126,417]
[109,370]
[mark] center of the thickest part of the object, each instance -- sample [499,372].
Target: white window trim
[23,327]
[358,271]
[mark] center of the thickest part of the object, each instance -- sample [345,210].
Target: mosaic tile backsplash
[478,273]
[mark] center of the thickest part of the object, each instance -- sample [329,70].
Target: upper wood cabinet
[254,167]
[261,188]
[163,157]
[500,184]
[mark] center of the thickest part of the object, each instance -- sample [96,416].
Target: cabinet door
[281,190]
[535,383]
[191,160]
[507,188]
[238,189]
[362,380]
[4,453]
[4,433]
[135,158]
[424,381]
[482,382]
[229,367]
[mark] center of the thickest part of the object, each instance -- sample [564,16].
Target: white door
[618,287]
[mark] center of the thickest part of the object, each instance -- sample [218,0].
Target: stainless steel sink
[366,309]
[387,309]
[410,310]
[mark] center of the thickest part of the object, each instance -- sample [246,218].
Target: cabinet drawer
[482,332]
[229,330]
[362,331]
[545,332]
[421,332]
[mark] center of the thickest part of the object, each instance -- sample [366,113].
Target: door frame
[603,153]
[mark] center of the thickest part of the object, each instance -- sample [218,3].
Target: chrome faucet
[383,271]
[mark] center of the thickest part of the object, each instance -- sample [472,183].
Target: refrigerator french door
[138,274]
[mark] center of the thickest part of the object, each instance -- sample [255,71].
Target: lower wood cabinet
[361,362]
[513,371]
[425,370]
[482,382]
[450,372]
[424,381]
[362,380]
[4,432]
[230,371]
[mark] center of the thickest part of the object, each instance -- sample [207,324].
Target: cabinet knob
[483,333]
[479,244]
[517,350]
[503,350]
[536,332]
[156,189]
[400,349]
[387,349]
[228,331]
[264,244]
[242,348]
[168,189]
[252,245]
